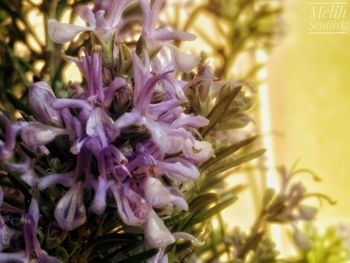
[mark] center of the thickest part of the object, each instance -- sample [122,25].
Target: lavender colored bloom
[33,249]
[158,37]
[70,211]
[40,99]
[39,134]
[102,22]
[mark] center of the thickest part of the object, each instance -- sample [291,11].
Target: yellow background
[309,87]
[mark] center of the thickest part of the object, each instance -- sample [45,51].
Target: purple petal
[164,34]
[132,209]
[37,134]
[70,211]
[13,257]
[141,74]
[148,20]
[98,204]
[72,103]
[186,121]
[66,179]
[115,10]
[34,211]
[115,85]
[40,100]
[178,169]
[157,234]
[87,15]
[61,33]
[128,119]
[168,140]
[102,126]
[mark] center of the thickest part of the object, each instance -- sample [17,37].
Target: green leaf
[225,152]
[268,197]
[176,219]
[202,201]
[206,214]
[220,108]
[140,257]
[112,238]
[240,160]
[20,185]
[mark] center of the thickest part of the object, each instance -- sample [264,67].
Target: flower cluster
[126,128]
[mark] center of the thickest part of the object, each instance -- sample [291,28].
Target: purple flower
[40,99]
[159,37]
[91,68]
[70,211]
[33,249]
[102,22]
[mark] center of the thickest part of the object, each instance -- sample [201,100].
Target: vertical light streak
[272,179]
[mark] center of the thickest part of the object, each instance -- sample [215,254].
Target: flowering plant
[119,150]
[122,167]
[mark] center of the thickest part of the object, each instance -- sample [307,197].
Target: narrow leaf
[219,110]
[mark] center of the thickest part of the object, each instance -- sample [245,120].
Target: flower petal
[198,151]
[178,169]
[66,179]
[157,234]
[98,204]
[164,34]
[155,193]
[132,209]
[40,99]
[13,257]
[183,61]
[102,126]
[34,211]
[70,211]
[37,134]
[61,33]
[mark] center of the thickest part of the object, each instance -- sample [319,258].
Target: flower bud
[41,98]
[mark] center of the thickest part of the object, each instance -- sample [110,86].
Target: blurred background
[308,80]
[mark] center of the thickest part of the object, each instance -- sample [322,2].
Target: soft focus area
[310,104]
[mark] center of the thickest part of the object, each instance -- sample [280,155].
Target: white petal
[156,233]
[183,61]
[61,33]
